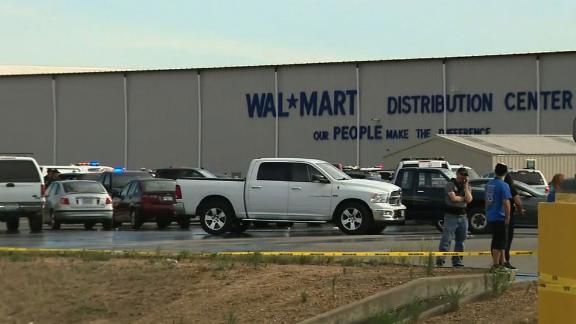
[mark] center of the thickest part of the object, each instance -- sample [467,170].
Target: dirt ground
[79,290]
[516,305]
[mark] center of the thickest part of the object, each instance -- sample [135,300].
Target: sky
[183,34]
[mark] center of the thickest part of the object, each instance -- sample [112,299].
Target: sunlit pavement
[300,237]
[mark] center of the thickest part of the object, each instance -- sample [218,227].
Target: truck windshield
[333,171]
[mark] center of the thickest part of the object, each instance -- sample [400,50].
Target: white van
[21,192]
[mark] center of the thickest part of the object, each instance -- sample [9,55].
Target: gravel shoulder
[122,290]
[516,305]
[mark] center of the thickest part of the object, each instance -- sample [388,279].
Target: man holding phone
[458,196]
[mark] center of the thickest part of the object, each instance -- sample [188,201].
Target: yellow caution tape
[553,283]
[274,253]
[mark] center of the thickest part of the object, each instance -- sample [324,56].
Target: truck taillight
[64,201]
[547,189]
[42,190]
[108,200]
[178,192]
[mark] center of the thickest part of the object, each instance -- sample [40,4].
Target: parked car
[531,177]
[291,190]
[180,173]
[409,163]
[477,209]
[472,174]
[21,192]
[423,193]
[78,202]
[93,176]
[116,180]
[148,200]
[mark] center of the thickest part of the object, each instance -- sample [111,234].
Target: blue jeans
[455,229]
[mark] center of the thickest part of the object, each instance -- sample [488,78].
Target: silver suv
[21,192]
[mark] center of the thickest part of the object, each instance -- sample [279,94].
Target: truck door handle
[420,191]
[296,188]
[256,187]
[10,185]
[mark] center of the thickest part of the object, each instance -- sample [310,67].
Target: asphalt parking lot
[301,237]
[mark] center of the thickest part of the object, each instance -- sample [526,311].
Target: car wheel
[477,222]
[162,223]
[53,221]
[135,220]
[35,222]
[184,222]
[12,224]
[354,218]
[217,217]
[89,226]
[107,225]
[439,224]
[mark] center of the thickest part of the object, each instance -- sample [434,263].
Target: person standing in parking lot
[498,197]
[515,207]
[458,196]
[51,176]
[555,186]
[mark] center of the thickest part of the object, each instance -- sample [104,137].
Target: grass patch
[453,296]
[499,283]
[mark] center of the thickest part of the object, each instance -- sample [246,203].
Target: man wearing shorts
[498,213]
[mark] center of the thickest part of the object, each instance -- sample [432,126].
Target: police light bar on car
[119,169]
[91,163]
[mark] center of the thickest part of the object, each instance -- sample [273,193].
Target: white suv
[21,192]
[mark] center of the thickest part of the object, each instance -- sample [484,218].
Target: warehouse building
[550,154]
[354,113]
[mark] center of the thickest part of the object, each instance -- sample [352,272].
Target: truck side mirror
[319,178]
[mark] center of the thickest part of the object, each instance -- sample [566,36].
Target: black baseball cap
[501,169]
[462,171]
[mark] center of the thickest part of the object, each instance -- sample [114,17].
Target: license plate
[167,198]
[88,201]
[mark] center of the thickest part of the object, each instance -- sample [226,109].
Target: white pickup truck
[291,190]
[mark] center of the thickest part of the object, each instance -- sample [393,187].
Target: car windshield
[83,187]
[333,171]
[80,176]
[207,173]
[119,180]
[528,177]
[18,171]
[160,185]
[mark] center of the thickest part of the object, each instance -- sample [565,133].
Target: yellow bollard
[557,262]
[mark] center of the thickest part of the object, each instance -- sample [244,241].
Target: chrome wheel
[351,219]
[478,222]
[215,218]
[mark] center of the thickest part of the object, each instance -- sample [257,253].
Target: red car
[148,200]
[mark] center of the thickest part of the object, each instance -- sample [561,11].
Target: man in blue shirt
[498,213]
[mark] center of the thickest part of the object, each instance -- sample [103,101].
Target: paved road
[299,238]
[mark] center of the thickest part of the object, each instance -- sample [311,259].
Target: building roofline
[198,70]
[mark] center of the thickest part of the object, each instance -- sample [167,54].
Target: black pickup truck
[423,191]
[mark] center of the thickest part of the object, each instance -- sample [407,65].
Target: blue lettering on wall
[327,103]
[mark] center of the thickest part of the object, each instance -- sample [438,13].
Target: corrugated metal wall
[549,165]
[190,117]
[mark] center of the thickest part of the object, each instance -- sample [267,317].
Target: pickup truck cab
[21,192]
[423,191]
[291,190]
